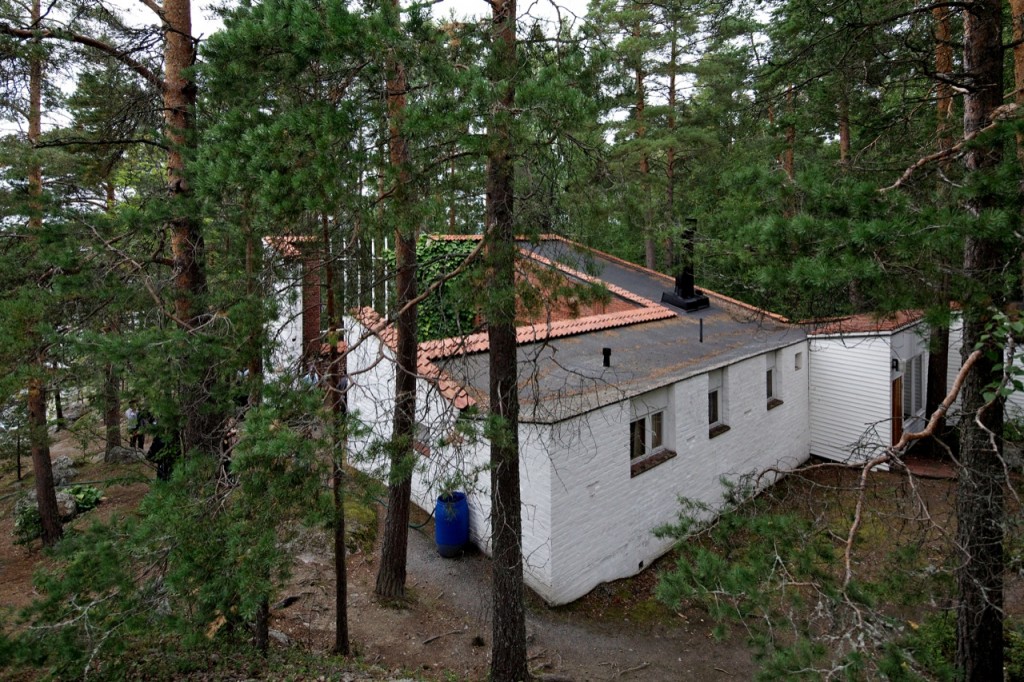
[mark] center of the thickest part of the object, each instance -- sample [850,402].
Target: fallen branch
[444,634]
[633,669]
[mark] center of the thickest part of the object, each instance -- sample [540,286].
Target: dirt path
[446,629]
[444,632]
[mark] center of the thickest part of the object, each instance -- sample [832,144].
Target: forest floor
[442,631]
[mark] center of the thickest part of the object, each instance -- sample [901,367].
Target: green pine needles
[771,564]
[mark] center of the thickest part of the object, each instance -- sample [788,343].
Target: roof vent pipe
[685,296]
[607,352]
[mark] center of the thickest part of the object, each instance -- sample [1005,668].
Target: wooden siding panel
[850,401]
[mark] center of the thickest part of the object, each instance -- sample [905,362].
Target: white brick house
[606,450]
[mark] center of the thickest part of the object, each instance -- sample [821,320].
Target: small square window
[650,431]
[913,386]
[716,404]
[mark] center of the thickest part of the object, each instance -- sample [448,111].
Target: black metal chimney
[685,296]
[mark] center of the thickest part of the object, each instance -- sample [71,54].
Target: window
[716,404]
[913,386]
[798,361]
[421,439]
[771,376]
[648,433]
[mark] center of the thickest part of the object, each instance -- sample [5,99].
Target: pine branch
[895,451]
[138,67]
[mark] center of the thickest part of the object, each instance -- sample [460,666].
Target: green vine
[449,310]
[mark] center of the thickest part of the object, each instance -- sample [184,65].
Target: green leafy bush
[27,524]
[1013,646]
[86,496]
[449,310]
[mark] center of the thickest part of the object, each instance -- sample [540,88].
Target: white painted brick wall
[585,520]
[371,397]
[286,329]
[603,519]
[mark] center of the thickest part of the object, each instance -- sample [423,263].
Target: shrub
[27,524]
[86,496]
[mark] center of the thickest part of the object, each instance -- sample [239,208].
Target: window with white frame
[913,386]
[649,432]
[716,403]
[646,435]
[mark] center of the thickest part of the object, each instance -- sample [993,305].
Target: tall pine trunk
[938,343]
[650,256]
[508,654]
[1017,19]
[199,430]
[337,382]
[111,407]
[111,377]
[394,549]
[42,467]
[980,507]
[670,153]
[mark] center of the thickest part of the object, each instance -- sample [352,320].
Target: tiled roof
[865,323]
[645,357]
[289,245]
[450,389]
[646,311]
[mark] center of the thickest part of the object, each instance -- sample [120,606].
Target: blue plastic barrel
[451,524]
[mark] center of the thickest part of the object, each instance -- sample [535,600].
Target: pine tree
[508,653]
[391,574]
[980,505]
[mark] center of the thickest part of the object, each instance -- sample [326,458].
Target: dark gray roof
[563,377]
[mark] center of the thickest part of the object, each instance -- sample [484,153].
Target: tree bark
[938,345]
[670,153]
[111,377]
[508,653]
[200,430]
[338,408]
[179,102]
[980,506]
[394,547]
[650,256]
[1017,21]
[262,629]
[111,407]
[253,288]
[42,467]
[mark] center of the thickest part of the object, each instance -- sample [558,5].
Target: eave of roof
[866,324]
